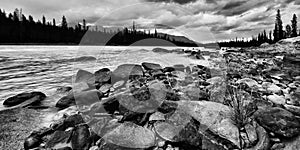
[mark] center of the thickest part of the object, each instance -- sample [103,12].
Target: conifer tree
[44,20]
[294,26]
[64,23]
[278,31]
[288,30]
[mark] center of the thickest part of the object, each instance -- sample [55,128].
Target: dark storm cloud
[211,1]
[233,4]
[162,26]
[266,23]
[219,28]
[174,1]
[243,30]
[240,7]
[258,18]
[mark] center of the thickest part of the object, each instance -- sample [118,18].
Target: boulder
[170,129]
[157,116]
[250,82]
[151,66]
[168,107]
[127,71]
[130,135]
[293,109]
[103,75]
[192,92]
[70,121]
[271,87]
[278,121]
[59,139]
[276,99]
[80,137]
[168,69]
[218,94]
[179,67]
[66,101]
[85,76]
[251,134]
[30,98]
[118,84]
[292,144]
[63,89]
[83,98]
[87,98]
[263,139]
[105,88]
[215,117]
[32,141]
[215,80]
[144,99]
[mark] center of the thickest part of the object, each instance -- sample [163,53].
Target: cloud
[222,18]
[162,26]
[233,4]
[240,7]
[174,1]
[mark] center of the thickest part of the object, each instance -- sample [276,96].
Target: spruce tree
[294,26]
[288,30]
[44,20]
[84,24]
[54,22]
[278,31]
[64,23]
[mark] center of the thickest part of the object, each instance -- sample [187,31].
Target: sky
[200,20]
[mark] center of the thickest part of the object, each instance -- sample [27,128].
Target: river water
[45,68]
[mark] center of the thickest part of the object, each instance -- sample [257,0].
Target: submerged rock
[151,66]
[279,121]
[66,101]
[32,98]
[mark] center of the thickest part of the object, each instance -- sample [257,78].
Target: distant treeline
[272,37]
[16,28]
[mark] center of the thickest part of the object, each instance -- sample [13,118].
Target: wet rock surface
[279,121]
[244,100]
[32,98]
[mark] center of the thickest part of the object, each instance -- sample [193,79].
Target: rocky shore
[247,99]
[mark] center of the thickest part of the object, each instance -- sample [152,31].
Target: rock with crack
[130,135]
[215,121]
[279,121]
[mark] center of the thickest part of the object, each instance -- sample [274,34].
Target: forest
[16,28]
[271,37]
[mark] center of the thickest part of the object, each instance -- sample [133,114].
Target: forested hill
[15,28]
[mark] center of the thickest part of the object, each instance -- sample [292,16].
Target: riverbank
[242,100]
[14,128]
